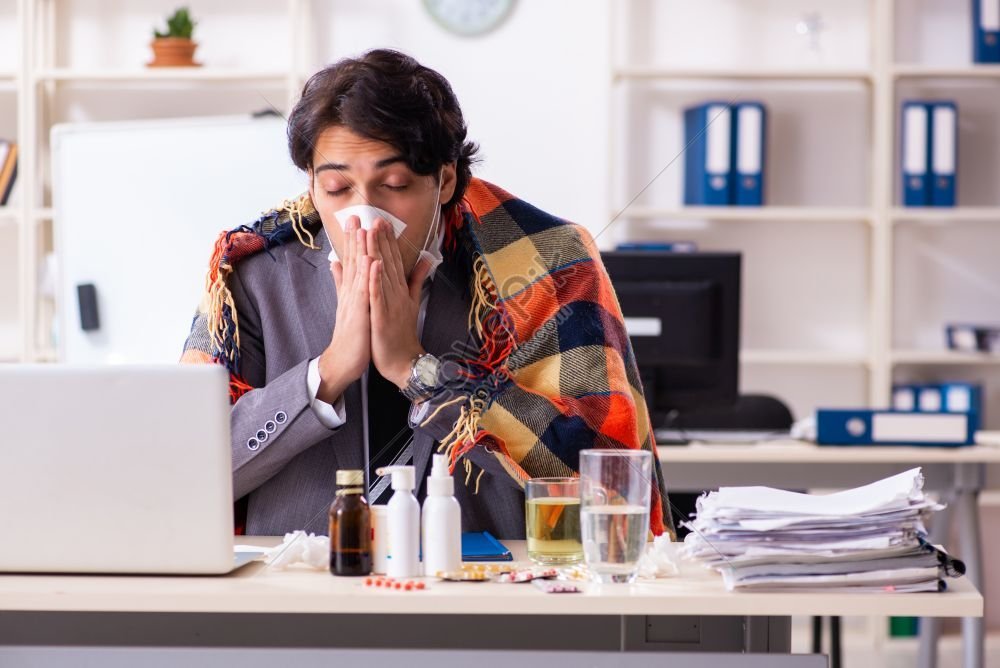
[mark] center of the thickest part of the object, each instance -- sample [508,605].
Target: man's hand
[349,352]
[395,303]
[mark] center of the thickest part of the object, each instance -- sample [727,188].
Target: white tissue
[659,561]
[366,217]
[301,548]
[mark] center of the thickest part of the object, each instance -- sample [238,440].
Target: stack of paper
[869,538]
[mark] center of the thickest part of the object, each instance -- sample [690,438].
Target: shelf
[961,214]
[43,214]
[777,74]
[803,358]
[749,213]
[934,72]
[943,358]
[166,74]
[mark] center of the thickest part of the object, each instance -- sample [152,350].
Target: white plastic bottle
[403,523]
[442,521]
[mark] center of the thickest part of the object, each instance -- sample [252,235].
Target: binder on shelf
[875,427]
[973,338]
[954,397]
[8,169]
[670,247]
[749,139]
[707,159]
[943,152]
[986,31]
[915,147]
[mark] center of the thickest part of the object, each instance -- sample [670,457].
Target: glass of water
[614,512]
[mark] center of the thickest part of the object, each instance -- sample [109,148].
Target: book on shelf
[8,169]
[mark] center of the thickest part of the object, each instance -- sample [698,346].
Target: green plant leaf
[179,24]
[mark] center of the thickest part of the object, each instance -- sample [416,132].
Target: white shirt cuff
[330,416]
[418,413]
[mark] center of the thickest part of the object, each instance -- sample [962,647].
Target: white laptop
[116,469]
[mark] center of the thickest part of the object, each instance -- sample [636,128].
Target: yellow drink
[553,528]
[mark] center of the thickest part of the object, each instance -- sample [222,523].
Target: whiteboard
[137,207]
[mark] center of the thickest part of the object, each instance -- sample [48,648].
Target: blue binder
[707,156]
[985,31]
[956,397]
[749,140]
[914,151]
[943,152]
[871,427]
[671,246]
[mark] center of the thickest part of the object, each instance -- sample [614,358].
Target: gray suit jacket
[286,302]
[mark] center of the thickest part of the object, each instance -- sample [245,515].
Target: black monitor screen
[682,311]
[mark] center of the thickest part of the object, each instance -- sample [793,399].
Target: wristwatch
[425,374]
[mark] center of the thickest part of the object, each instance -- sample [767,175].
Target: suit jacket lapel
[315,300]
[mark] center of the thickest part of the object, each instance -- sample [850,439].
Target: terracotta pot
[173,52]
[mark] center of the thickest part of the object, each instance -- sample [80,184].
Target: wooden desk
[260,607]
[959,474]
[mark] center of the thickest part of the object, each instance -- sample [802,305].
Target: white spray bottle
[442,521]
[403,523]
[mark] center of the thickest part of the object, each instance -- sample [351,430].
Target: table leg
[930,627]
[967,510]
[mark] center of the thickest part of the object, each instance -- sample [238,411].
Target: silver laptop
[115,469]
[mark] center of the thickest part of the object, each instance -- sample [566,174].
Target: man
[402,307]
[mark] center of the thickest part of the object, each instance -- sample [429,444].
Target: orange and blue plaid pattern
[570,379]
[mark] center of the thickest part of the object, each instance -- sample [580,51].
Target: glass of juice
[552,520]
[615,487]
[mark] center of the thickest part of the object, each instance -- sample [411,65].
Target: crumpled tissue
[300,548]
[659,560]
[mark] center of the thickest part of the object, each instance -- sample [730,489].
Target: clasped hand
[377,309]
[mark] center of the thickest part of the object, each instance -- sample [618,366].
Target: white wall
[534,92]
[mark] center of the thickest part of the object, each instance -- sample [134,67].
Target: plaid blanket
[554,372]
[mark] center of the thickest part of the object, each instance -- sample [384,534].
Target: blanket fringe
[488,320]
[219,307]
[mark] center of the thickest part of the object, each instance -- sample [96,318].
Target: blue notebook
[484,547]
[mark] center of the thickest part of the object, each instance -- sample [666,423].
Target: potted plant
[175,48]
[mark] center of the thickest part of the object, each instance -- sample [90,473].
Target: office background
[578,107]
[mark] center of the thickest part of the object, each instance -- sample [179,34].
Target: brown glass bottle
[350,527]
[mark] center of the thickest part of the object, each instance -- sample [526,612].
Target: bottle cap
[350,478]
[403,477]
[440,482]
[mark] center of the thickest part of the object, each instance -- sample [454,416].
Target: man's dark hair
[388,96]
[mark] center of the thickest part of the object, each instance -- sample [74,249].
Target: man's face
[349,169]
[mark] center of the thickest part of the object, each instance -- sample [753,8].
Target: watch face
[426,371]
[469,17]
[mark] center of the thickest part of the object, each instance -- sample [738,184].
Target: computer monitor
[682,313]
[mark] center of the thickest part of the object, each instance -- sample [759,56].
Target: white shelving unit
[43,78]
[652,81]
[861,360]
[853,357]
